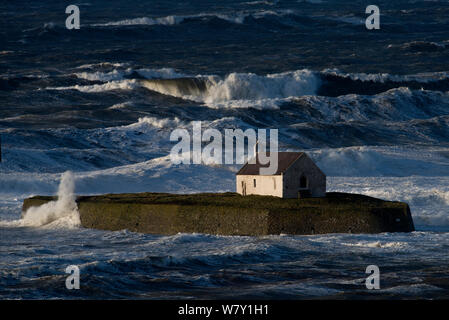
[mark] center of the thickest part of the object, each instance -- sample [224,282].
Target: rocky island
[234,214]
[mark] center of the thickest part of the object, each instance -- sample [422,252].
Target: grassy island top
[230,199]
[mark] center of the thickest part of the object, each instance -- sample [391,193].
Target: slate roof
[285,160]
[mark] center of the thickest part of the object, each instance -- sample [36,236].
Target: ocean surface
[371,107]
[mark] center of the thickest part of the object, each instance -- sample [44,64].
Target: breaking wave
[62,213]
[398,104]
[239,89]
[249,90]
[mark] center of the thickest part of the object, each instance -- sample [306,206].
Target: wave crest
[60,213]
[239,89]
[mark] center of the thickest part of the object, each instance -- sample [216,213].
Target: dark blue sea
[371,107]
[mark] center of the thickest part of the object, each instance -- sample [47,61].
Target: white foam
[103,76]
[62,213]
[112,85]
[244,90]
[375,244]
[384,77]
[249,86]
[119,106]
[157,123]
[382,161]
[167,21]
[237,18]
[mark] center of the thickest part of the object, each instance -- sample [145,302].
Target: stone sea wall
[233,214]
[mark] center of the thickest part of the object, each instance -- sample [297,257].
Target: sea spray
[60,213]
